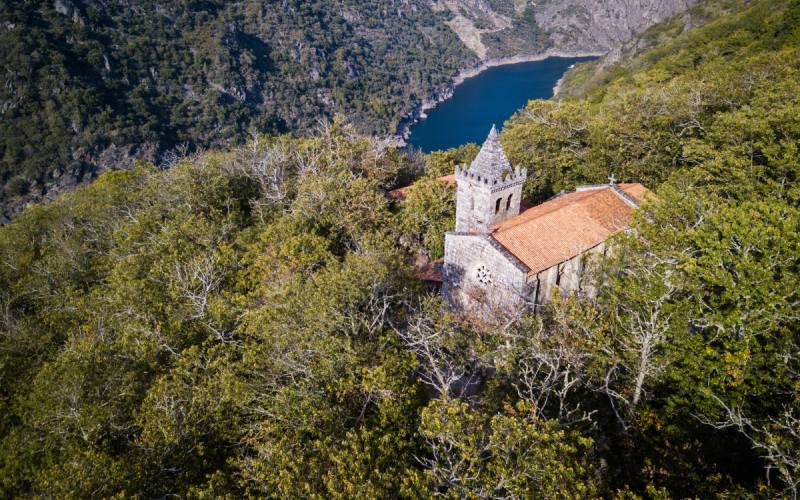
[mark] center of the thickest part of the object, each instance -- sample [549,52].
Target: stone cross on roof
[612,179]
[492,161]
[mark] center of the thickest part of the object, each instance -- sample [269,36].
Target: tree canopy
[250,322]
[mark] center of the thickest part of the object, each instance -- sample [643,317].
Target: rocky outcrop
[603,24]
[626,56]
[492,29]
[471,20]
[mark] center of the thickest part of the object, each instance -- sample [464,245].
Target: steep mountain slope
[627,57]
[501,28]
[678,105]
[602,25]
[90,85]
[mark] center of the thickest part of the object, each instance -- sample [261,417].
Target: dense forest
[91,84]
[249,322]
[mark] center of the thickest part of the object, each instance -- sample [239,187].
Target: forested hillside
[90,85]
[698,326]
[249,322]
[633,54]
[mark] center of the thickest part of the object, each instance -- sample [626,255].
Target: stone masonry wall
[477,201]
[569,276]
[480,277]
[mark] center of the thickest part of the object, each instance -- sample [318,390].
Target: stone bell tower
[489,190]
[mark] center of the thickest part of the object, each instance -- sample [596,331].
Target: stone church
[503,255]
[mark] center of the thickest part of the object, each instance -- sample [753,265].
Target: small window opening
[472,203]
[508,203]
[497,205]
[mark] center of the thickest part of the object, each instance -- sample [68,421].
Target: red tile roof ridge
[543,208]
[568,225]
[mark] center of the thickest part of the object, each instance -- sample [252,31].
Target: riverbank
[560,82]
[420,112]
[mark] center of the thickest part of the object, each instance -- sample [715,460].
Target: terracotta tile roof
[566,226]
[637,191]
[403,192]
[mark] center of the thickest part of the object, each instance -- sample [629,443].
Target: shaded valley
[93,85]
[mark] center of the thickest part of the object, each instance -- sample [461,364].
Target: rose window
[483,276]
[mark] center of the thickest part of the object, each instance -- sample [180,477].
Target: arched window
[508,203]
[497,205]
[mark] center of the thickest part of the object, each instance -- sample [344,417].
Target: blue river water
[489,98]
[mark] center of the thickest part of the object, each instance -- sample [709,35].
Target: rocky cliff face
[602,25]
[501,28]
[627,57]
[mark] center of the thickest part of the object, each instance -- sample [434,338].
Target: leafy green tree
[440,163]
[511,454]
[426,214]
